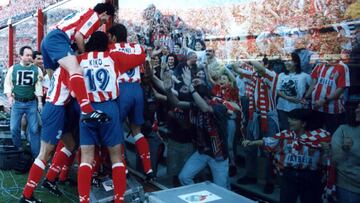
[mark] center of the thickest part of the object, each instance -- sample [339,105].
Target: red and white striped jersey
[328,79]
[58,92]
[297,152]
[132,75]
[85,22]
[101,70]
[100,76]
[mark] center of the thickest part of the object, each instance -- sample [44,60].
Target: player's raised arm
[128,56]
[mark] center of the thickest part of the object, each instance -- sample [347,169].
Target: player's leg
[70,140]
[136,116]
[36,171]
[57,51]
[85,172]
[88,140]
[118,173]
[62,156]
[60,159]
[142,147]
[110,137]
[52,118]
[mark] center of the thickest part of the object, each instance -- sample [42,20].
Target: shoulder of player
[88,12]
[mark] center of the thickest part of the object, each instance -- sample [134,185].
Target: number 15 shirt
[102,69]
[24,78]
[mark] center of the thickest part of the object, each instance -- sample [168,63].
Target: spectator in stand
[244,89]
[182,131]
[299,154]
[345,146]
[225,92]
[210,123]
[291,88]
[214,68]
[190,63]
[179,53]
[326,90]
[304,56]
[164,53]
[171,61]
[263,119]
[199,49]
[155,60]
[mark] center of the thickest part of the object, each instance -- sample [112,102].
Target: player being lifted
[57,50]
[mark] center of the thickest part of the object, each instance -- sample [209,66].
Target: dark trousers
[305,184]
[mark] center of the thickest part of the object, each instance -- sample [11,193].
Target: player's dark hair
[119,31]
[102,7]
[22,49]
[97,42]
[35,53]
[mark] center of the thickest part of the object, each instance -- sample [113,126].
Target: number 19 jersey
[101,70]
[100,76]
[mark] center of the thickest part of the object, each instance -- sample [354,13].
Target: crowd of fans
[265,27]
[193,95]
[17,11]
[181,57]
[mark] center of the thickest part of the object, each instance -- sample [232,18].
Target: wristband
[192,92]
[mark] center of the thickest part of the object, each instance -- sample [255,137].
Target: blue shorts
[131,103]
[56,45]
[106,134]
[72,116]
[57,120]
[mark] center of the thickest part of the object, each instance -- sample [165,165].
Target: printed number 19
[97,79]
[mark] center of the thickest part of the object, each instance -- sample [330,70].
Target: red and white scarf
[263,100]
[314,139]
[226,94]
